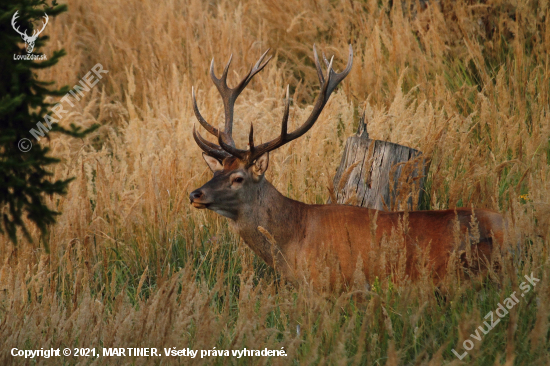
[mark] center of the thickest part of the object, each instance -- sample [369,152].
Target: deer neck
[280,219]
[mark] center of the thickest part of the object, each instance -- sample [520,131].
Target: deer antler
[36,33]
[22,34]
[327,86]
[225,139]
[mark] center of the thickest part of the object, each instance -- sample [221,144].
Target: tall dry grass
[131,264]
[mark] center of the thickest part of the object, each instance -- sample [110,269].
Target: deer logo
[29,40]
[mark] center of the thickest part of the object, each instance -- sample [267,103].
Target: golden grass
[132,264]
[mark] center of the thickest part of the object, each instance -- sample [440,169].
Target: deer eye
[238,180]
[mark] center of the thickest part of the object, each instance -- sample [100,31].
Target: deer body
[303,241]
[308,238]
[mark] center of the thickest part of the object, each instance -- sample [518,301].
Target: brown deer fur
[305,234]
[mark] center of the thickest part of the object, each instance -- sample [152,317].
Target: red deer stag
[292,236]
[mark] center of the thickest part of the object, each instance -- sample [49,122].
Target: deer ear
[260,165]
[213,163]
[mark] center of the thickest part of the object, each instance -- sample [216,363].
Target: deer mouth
[199,205]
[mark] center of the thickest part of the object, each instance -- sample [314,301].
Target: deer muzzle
[196,199]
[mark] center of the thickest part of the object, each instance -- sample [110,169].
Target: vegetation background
[132,264]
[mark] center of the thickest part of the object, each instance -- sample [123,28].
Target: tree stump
[378,174]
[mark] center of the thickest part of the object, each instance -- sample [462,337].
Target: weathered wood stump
[378,174]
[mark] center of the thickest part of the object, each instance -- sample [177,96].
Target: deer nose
[195,195]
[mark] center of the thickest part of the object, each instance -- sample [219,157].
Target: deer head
[239,174]
[29,40]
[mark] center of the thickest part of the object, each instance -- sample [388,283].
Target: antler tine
[251,139]
[327,63]
[318,66]
[213,130]
[284,124]
[327,86]
[226,70]
[329,66]
[208,147]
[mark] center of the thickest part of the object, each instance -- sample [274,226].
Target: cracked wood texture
[379,174]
